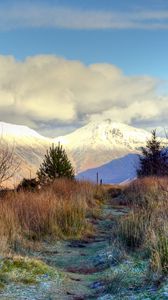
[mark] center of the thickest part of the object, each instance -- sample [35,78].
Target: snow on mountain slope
[99,142]
[117,171]
[106,133]
[91,146]
[16,133]
[29,148]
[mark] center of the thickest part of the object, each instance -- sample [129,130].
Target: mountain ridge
[91,146]
[99,142]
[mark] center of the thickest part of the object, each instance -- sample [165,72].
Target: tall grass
[58,211]
[159,252]
[146,225]
[133,228]
[146,192]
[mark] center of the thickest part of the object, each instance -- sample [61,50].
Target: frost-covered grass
[131,274]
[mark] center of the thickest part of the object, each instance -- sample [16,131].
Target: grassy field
[87,241]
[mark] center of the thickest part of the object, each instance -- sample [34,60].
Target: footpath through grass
[111,259]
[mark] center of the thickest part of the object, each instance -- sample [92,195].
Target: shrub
[28,184]
[55,165]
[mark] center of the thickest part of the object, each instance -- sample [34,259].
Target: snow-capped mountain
[94,145]
[100,142]
[29,148]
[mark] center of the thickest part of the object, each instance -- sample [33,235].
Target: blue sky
[131,35]
[136,51]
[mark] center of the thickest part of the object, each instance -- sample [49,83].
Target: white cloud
[38,15]
[50,90]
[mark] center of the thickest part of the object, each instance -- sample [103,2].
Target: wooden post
[97,178]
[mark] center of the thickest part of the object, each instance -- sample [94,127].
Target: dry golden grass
[146,191]
[146,225]
[133,228]
[159,252]
[58,210]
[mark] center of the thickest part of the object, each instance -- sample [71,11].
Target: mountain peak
[103,132]
[109,123]
[99,142]
[8,129]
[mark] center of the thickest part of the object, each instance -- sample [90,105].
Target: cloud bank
[38,15]
[45,92]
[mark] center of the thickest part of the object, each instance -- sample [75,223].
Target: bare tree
[9,164]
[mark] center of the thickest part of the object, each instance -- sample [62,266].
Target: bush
[28,184]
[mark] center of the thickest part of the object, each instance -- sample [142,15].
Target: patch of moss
[24,270]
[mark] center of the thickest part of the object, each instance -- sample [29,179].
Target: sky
[66,62]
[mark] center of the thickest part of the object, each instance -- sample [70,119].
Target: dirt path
[81,265]
[86,269]
[85,261]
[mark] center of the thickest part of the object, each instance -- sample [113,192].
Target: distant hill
[119,170]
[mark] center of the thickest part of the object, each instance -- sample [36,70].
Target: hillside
[109,146]
[120,170]
[29,148]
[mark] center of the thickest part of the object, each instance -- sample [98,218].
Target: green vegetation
[55,165]
[23,270]
[154,159]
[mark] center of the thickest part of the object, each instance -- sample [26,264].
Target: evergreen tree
[55,165]
[154,159]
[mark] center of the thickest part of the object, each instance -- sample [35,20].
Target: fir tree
[154,159]
[55,165]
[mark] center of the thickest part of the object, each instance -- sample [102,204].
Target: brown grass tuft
[147,223]
[58,211]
